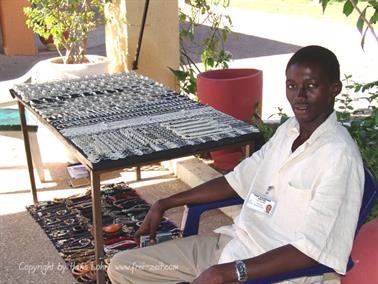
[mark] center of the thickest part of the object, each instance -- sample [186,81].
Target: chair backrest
[369,197]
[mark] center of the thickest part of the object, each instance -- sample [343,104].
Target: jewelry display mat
[127,119]
[67,222]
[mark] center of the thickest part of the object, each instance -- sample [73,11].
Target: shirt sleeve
[244,173]
[328,231]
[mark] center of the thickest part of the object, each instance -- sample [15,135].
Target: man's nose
[301,92]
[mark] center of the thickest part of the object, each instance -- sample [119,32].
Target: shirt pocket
[291,209]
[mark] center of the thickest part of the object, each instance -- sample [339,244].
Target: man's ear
[336,88]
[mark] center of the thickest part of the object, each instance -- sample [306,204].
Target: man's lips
[301,108]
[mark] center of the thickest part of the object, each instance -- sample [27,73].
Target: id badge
[261,204]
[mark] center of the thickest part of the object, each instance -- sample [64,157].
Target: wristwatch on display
[241,270]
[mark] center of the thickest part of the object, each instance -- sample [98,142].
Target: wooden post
[138,173]
[160,46]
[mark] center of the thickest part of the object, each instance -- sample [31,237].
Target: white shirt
[317,190]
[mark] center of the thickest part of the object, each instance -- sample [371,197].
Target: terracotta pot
[365,256]
[234,92]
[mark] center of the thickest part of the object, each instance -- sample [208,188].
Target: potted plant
[68,22]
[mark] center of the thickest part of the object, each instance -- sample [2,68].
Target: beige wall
[160,46]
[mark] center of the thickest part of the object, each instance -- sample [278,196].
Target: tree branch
[371,28]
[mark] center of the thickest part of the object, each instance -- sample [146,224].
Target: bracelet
[241,270]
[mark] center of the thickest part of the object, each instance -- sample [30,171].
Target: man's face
[310,93]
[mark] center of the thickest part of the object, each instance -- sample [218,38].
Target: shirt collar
[328,124]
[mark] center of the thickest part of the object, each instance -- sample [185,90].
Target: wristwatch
[241,270]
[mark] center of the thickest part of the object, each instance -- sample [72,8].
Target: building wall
[17,38]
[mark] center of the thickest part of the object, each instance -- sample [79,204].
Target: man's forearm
[213,190]
[283,259]
[277,261]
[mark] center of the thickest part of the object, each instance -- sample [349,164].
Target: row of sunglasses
[68,224]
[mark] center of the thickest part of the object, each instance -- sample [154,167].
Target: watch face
[241,270]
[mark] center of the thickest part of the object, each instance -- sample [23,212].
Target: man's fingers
[141,231]
[149,226]
[152,234]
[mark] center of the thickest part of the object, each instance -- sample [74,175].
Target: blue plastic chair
[194,213]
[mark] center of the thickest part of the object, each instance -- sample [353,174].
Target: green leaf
[363,38]
[374,18]
[324,4]
[210,62]
[180,75]
[182,18]
[225,33]
[374,4]
[348,8]
[360,21]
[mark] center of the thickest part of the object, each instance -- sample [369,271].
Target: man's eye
[311,85]
[290,86]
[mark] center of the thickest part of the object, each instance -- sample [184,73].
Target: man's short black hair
[321,56]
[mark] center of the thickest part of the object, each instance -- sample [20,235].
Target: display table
[111,122]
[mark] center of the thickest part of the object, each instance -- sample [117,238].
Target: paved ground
[259,40]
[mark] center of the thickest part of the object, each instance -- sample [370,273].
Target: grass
[308,8]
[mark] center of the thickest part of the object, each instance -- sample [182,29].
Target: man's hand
[213,190]
[150,222]
[217,274]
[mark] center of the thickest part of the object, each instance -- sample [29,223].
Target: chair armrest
[311,271]
[193,215]
[318,269]
[194,211]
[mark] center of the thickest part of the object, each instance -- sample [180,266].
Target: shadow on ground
[241,45]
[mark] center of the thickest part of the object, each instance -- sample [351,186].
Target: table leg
[138,173]
[247,150]
[25,134]
[97,223]
[253,146]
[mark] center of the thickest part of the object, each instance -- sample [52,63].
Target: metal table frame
[250,140]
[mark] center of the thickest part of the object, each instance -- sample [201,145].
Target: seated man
[302,193]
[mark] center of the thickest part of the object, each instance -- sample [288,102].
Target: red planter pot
[234,92]
[365,256]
